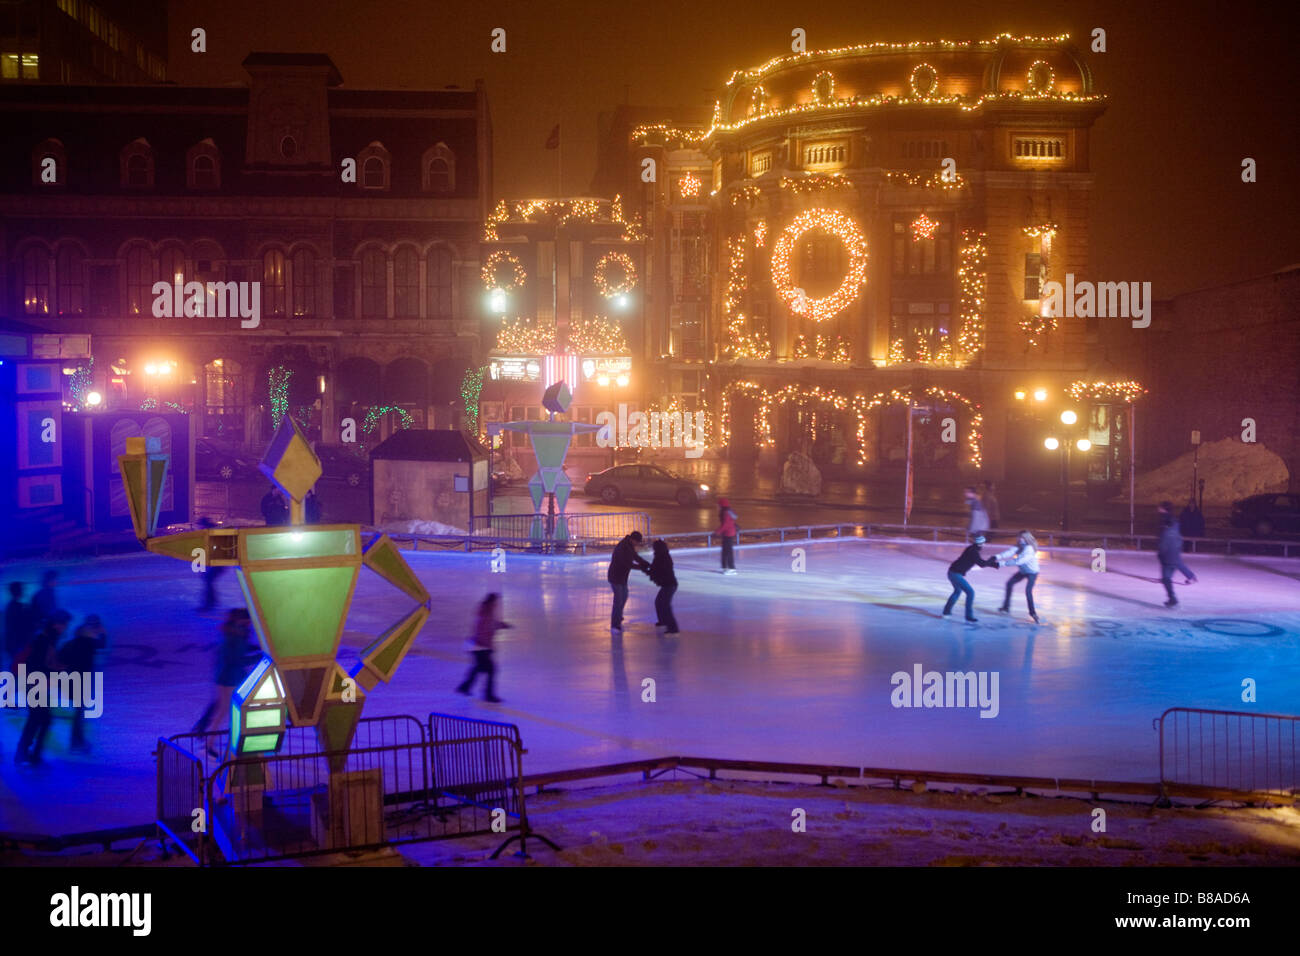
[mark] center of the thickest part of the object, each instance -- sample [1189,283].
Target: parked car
[643,481]
[1265,514]
[339,462]
[221,462]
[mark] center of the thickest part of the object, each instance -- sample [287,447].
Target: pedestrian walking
[275,510]
[661,573]
[19,623]
[78,657]
[480,649]
[990,502]
[44,602]
[957,576]
[40,658]
[236,654]
[1025,557]
[1191,521]
[621,563]
[1169,550]
[979,518]
[728,529]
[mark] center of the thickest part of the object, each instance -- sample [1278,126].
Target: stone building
[351,218]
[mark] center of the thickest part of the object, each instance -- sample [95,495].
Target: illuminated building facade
[356,214]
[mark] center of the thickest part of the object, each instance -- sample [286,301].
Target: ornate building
[883,220]
[354,215]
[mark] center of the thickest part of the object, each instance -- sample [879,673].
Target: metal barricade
[608,526]
[180,794]
[1231,752]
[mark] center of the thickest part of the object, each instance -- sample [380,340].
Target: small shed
[429,475]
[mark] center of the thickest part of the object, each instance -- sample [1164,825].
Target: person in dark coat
[957,576]
[236,655]
[621,563]
[661,573]
[480,648]
[78,657]
[1166,511]
[40,659]
[19,623]
[275,510]
[44,602]
[1169,550]
[311,508]
[1191,521]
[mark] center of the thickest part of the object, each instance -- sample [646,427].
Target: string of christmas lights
[471,387]
[930,180]
[1126,391]
[923,81]
[841,226]
[760,233]
[670,137]
[522,337]
[739,341]
[564,211]
[972,281]
[1041,230]
[748,194]
[816,183]
[277,386]
[375,414]
[596,336]
[822,348]
[689,186]
[1038,86]
[600,277]
[923,227]
[492,267]
[81,381]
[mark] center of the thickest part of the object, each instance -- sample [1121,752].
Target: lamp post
[1068,418]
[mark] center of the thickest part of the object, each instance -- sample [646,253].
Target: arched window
[440,283]
[203,166]
[439,169]
[304,283]
[137,164]
[70,271]
[50,164]
[374,284]
[406,284]
[273,283]
[374,164]
[171,265]
[36,281]
[139,280]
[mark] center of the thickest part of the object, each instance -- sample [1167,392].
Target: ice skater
[957,576]
[211,573]
[45,602]
[40,659]
[979,518]
[480,649]
[236,655]
[621,563]
[1169,550]
[1166,511]
[728,530]
[19,623]
[78,657]
[989,499]
[661,573]
[1025,557]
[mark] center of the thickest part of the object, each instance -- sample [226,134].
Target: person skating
[621,563]
[957,577]
[990,502]
[728,529]
[211,572]
[78,657]
[19,623]
[1025,557]
[661,573]
[1169,550]
[480,649]
[236,655]
[1166,512]
[978,522]
[40,659]
[44,602]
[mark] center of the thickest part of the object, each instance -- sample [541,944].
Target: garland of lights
[277,386]
[740,342]
[923,227]
[821,348]
[670,137]
[931,180]
[373,416]
[914,348]
[471,387]
[972,280]
[760,233]
[522,337]
[151,404]
[564,211]
[596,336]
[1040,87]
[492,266]
[829,94]
[1037,327]
[1043,230]
[82,379]
[1129,391]
[749,194]
[803,396]
[601,278]
[816,183]
[843,228]
[689,186]
[930,88]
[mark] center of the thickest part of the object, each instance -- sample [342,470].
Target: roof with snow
[429,444]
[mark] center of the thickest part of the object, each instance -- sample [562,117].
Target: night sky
[1193,88]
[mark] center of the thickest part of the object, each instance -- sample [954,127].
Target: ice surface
[772,664]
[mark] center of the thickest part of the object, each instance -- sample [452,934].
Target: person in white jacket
[1025,557]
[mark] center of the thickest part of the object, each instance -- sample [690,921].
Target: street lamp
[1051,443]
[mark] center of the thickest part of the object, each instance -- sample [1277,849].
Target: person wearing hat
[41,659]
[78,657]
[968,559]
[621,563]
[728,529]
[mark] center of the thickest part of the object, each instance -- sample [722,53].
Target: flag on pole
[553,141]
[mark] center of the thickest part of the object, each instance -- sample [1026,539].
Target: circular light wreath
[1040,87]
[841,227]
[610,289]
[823,87]
[931,88]
[492,266]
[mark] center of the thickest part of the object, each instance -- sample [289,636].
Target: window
[171,264]
[823,154]
[374,284]
[1034,269]
[440,283]
[71,273]
[374,165]
[139,280]
[1025,148]
[203,166]
[304,283]
[137,165]
[288,147]
[20,66]
[274,291]
[920,331]
[921,257]
[104,290]
[345,284]
[760,163]
[925,149]
[36,281]
[406,284]
[439,169]
[821,264]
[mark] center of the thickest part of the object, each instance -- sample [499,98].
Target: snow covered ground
[772,664]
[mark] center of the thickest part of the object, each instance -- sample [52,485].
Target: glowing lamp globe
[1051,444]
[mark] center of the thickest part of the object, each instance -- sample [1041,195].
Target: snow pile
[417,526]
[1231,470]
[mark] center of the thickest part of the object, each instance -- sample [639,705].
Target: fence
[589,526]
[396,784]
[1228,751]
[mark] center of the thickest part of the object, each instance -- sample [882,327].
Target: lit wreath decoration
[841,227]
[823,87]
[931,88]
[1040,87]
[491,266]
[610,289]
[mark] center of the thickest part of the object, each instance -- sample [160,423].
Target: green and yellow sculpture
[298,581]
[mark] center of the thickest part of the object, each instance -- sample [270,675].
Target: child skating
[1025,557]
[480,649]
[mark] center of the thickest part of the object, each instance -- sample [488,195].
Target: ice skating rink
[772,663]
